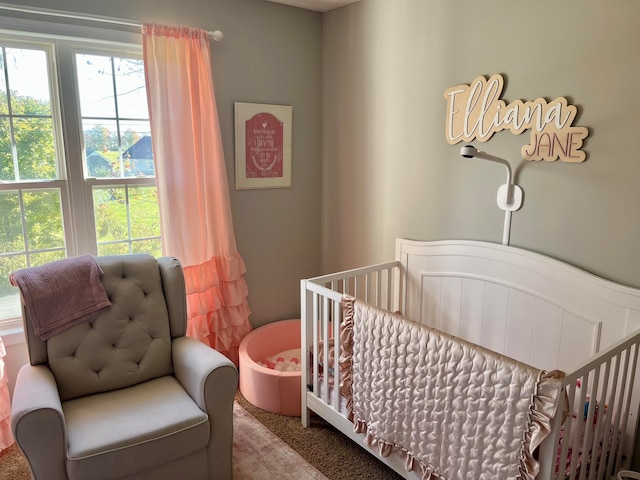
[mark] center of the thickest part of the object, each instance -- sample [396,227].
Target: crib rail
[597,439]
[321,314]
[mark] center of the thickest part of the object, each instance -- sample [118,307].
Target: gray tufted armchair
[127,395]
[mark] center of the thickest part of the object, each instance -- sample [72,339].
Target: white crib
[524,305]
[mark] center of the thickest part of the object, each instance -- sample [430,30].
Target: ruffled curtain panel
[193,192]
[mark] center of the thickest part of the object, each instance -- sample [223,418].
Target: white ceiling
[316,5]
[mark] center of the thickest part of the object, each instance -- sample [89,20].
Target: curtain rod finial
[217,35]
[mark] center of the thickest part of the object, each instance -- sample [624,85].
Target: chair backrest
[126,344]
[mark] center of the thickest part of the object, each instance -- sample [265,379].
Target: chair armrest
[37,422]
[208,376]
[212,381]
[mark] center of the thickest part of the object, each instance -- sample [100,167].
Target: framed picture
[263,145]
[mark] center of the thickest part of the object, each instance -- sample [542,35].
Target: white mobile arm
[509,195]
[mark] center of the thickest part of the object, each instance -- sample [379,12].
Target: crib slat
[367,295]
[612,364]
[316,315]
[603,420]
[589,439]
[306,311]
[566,439]
[633,353]
[325,350]
[620,411]
[388,305]
[579,430]
[337,318]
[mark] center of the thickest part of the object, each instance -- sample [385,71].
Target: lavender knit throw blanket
[61,294]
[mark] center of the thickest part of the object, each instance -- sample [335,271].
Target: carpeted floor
[326,449]
[13,465]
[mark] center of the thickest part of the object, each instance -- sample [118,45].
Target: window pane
[35,149]
[127,219]
[130,88]
[95,82]
[43,219]
[7,167]
[40,213]
[102,154]
[110,209]
[11,239]
[144,209]
[102,149]
[29,80]
[137,152]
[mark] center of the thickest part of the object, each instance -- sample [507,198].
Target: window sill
[12,336]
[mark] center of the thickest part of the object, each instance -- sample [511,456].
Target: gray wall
[270,54]
[389,172]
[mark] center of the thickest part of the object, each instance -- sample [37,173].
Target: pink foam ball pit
[272,390]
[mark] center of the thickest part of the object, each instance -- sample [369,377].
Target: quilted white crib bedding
[452,409]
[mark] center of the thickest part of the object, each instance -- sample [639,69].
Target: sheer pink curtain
[193,192]
[6,437]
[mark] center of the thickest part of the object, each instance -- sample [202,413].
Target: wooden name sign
[475,112]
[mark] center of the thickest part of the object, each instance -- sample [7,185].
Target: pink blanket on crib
[61,294]
[451,408]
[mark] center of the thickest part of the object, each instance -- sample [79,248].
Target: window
[76,167]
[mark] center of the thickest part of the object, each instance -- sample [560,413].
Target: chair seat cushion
[121,432]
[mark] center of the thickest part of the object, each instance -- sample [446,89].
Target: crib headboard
[525,305]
